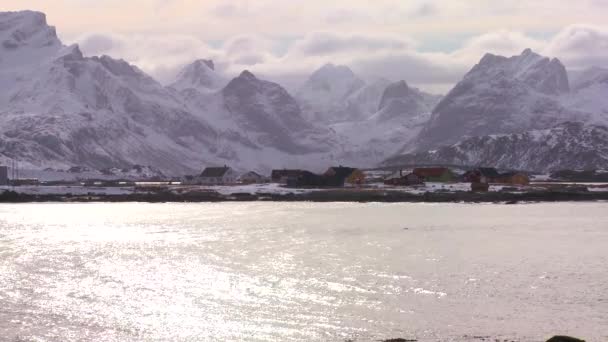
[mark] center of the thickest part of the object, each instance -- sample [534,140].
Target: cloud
[346,15]
[98,44]
[427,9]
[581,46]
[390,56]
[228,10]
[328,44]
[159,55]
[501,42]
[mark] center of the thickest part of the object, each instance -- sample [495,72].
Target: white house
[218,176]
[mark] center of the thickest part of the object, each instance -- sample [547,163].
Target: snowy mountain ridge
[569,145]
[62,109]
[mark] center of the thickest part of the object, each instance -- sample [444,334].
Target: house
[252,177]
[3,175]
[25,181]
[400,179]
[217,175]
[340,175]
[514,178]
[306,179]
[481,175]
[434,174]
[480,186]
[284,176]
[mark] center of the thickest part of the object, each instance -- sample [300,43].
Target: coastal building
[514,178]
[3,175]
[25,181]
[340,175]
[252,177]
[284,176]
[480,187]
[434,174]
[217,175]
[307,179]
[482,175]
[399,179]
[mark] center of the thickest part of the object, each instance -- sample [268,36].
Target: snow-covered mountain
[60,109]
[66,109]
[566,146]
[501,95]
[401,114]
[590,94]
[267,110]
[199,75]
[324,95]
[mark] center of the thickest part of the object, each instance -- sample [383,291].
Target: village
[342,176]
[334,177]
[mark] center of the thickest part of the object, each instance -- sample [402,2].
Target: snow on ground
[63,190]
[270,188]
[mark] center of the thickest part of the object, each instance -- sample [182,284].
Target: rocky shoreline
[333,195]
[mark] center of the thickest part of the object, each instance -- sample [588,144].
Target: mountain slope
[566,146]
[267,109]
[589,94]
[501,95]
[100,112]
[199,75]
[324,95]
[401,114]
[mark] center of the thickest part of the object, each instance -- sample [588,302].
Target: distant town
[426,183]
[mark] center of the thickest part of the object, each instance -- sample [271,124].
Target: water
[303,272]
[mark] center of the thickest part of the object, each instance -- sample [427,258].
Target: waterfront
[302,271]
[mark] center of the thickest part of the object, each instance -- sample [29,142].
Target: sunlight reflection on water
[302,271]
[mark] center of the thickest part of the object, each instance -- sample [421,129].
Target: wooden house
[252,177]
[340,175]
[480,186]
[482,175]
[285,176]
[217,176]
[434,174]
[404,180]
[514,178]
[307,179]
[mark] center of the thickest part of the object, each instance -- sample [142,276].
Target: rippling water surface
[302,272]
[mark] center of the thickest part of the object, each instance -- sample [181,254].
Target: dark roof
[215,171]
[512,173]
[252,173]
[430,171]
[285,173]
[340,171]
[488,172]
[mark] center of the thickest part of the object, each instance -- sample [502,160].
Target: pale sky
[429,43]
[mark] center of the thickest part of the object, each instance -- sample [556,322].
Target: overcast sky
[429,43]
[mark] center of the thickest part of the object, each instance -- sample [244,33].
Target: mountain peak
[246,74]
[330,71]
[199,74]
[541,73]
[208,62]
[397,90]
[26,28]
[528,52]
